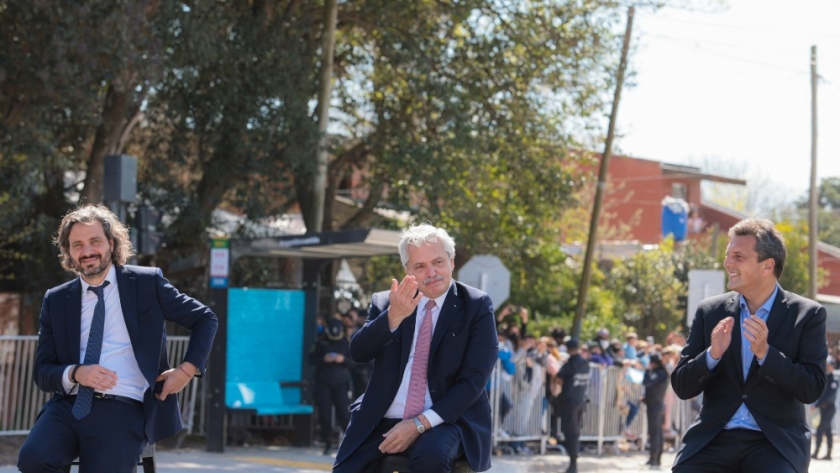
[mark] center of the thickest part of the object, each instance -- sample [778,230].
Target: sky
[730,91]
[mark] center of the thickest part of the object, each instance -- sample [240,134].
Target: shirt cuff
[711,362]
[761,360]
[65,381]
[433,418]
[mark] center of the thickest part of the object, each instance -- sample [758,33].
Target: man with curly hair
[102,352]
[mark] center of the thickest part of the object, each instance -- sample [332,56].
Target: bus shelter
[259,358]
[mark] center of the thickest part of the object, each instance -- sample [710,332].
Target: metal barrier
[604,420]
[522,398]
[21,400]
[527,419]
[609,393]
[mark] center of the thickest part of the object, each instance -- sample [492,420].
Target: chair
[147,460]
[399,464]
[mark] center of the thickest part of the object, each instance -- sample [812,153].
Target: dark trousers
[109,440]
[571,418]
[736,451]
[655,417]
[329,396]
[433,452]
[824,430]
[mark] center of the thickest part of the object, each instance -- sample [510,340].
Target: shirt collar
[438,300]
[768,304]
[111,277]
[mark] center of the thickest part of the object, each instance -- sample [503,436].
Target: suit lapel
[733,309]
[451,305]
[127,286]
[73,319]
[778,312]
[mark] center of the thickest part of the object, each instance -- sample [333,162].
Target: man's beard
[88,271]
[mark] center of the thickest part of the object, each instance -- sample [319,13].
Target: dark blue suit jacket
[792,375]
[461,358]
[147,300]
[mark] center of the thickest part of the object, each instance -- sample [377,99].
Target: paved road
[308,460]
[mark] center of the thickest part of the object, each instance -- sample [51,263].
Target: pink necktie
[417,383]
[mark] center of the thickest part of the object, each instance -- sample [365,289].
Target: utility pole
[315,221]
[583,289]
[812,201]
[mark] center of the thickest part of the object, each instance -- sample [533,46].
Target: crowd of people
[339,380]
[559,358]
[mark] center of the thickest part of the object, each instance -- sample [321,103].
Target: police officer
[573,379]
[827,406]
[330,357]
[655,383]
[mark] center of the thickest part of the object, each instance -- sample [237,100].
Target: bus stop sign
[488,273]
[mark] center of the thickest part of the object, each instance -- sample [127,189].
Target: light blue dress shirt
[742,418]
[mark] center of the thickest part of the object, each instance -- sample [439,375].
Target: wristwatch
[420,427]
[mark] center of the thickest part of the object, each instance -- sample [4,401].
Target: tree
[795,276]
[828,210]
[462,113]
[70,93]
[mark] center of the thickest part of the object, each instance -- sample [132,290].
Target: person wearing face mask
[670,357]
[573,379]
[827,406]
[329,356]
[655,383]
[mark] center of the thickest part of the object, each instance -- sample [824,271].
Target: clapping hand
[721,337]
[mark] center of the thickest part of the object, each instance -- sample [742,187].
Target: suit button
[744,397]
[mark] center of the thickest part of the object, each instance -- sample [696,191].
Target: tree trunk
[106,142]
[315,217]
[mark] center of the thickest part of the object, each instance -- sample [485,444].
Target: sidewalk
[310,460]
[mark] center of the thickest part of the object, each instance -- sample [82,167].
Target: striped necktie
[417,383]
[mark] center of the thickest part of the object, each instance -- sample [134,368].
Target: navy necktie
[84,398]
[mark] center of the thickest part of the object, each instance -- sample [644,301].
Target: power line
[770,30]
[693,44]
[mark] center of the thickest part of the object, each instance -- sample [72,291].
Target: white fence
[21,400]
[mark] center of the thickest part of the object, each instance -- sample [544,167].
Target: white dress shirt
[117,353]
[397,408]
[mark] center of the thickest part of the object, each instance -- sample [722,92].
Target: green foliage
[828,210]
[60,65]
[796,276]
[649,290]
[460,113]
[652,286]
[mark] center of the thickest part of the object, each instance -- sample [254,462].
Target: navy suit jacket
[792,375]
[148,300]
[461,358]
